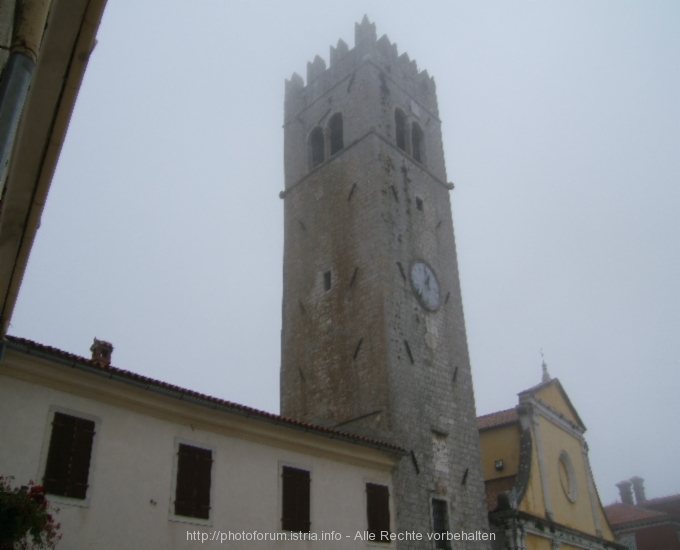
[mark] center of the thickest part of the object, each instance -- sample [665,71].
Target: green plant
[25,518]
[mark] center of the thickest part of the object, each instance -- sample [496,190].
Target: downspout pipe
[16,77]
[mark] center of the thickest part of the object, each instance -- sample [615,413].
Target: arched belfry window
[335,127]
[400,125]
[316,146]
[418,143]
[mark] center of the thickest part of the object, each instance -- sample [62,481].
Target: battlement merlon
[344,61]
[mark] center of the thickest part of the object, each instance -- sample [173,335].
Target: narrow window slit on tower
[448,295]
[455,373]
[327,280]
[408,350]
[465,476]
[302,225]
[316,146]
[354,276]
[351,192]
[419,203]
[302,374]
[415,462]
[400,126]
[351,81]
[401,270]
[302,306]
[356,351]
[417,142]
[440,222]
[335,127]
[394,192]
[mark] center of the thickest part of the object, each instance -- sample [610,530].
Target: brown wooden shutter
[378,510]
[192,491]
[68,458]
[295,500]
[183,489]
[80,458]
[203,469]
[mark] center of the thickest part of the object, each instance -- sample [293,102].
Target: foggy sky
[163,230]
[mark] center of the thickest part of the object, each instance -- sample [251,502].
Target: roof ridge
[497,412]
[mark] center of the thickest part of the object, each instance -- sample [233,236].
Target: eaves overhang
[67,42]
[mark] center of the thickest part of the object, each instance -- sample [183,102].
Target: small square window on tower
[327,280]
[295,499]
[419,203]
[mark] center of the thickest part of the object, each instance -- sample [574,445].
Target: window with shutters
[295,501]
[440,523]
[378,511]
[67,469]
[192,487]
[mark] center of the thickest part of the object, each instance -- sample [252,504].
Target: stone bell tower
[373,337]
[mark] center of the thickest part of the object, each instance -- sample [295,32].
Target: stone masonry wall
[365,353]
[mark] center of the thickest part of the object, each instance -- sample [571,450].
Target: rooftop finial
[546,374]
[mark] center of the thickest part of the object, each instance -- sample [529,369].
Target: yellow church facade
[539,486]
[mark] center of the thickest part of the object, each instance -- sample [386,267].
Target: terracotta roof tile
[496,419]
[202,399]
[619,513]
[495,487]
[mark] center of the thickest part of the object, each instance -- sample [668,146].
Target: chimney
[625,492]
[101,352]
[639,488]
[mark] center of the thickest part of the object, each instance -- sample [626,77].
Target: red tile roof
[496,419]
[660,500]
[495,487]
[195,397]
[619,513]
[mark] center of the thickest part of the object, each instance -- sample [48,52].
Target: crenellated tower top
[344,61]
[369,89]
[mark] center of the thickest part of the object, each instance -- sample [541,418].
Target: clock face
[425,285]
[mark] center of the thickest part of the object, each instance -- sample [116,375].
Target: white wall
[132,465]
